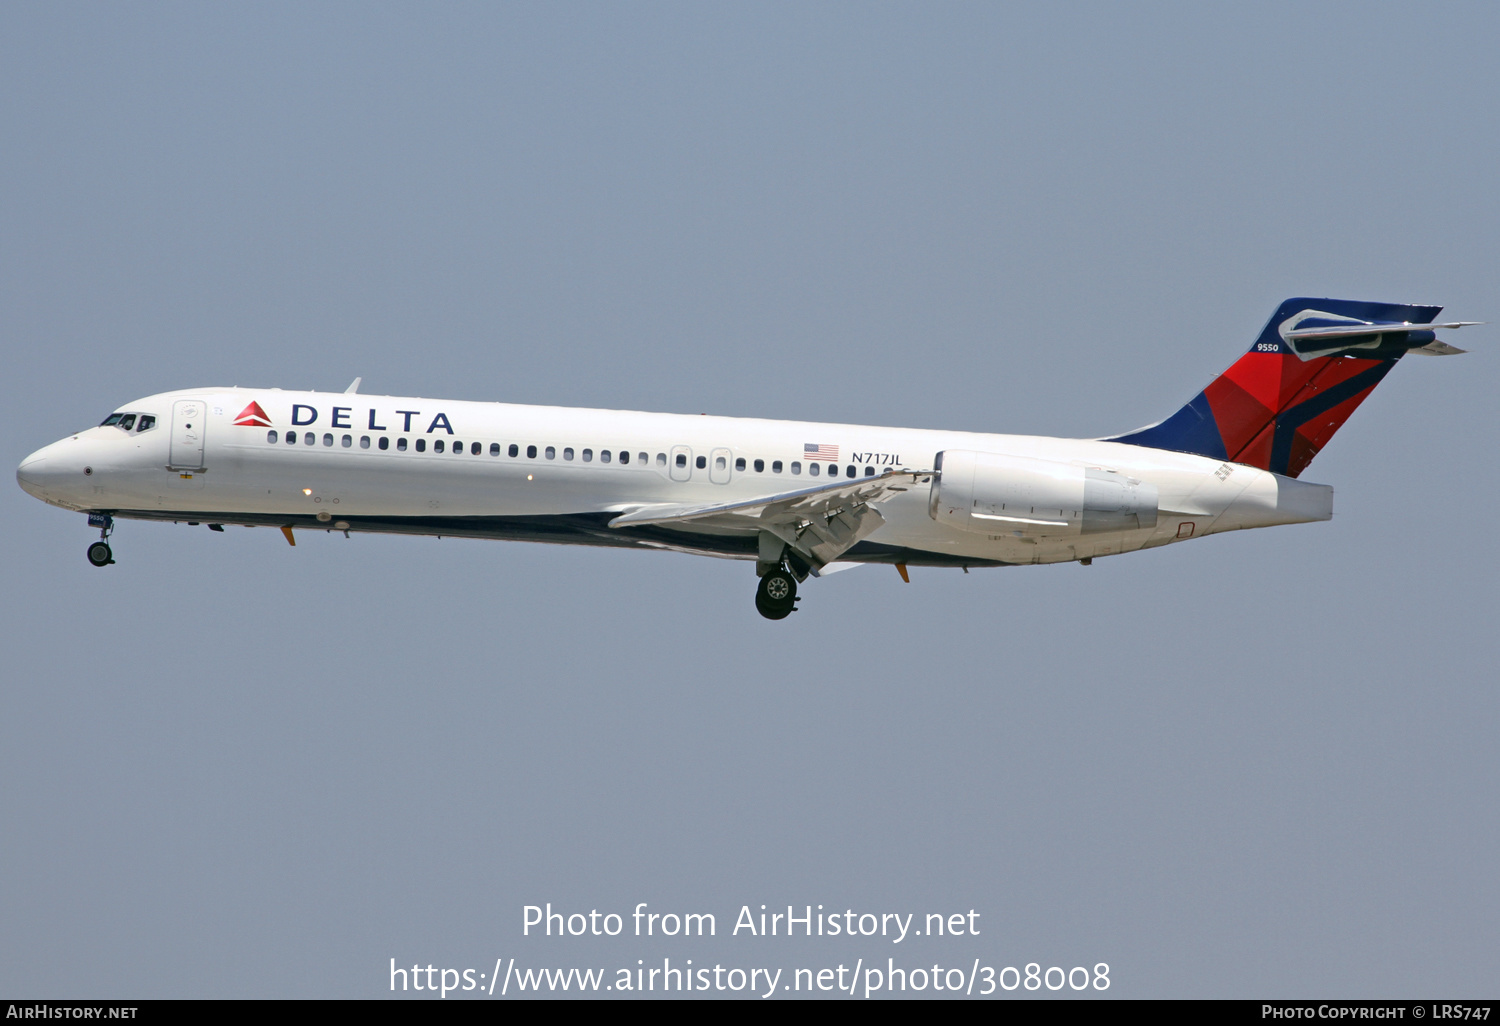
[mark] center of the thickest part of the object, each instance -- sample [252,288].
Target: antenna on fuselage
[353,386]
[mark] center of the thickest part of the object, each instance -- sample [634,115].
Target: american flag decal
[820,452]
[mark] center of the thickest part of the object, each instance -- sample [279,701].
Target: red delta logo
[253,416]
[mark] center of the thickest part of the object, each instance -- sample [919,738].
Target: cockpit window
[127,421]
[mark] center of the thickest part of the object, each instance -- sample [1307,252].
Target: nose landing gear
[776,598]
[99,552]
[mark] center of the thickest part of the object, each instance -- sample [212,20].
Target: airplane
[798,499]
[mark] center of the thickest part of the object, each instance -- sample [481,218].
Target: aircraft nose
[31,474]
[43,471]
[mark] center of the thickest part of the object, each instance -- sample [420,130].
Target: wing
[820,523]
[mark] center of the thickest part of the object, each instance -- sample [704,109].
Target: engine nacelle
[990,493]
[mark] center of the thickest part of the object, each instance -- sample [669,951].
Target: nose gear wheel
[99,552]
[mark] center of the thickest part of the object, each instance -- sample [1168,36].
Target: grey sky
[1260,764]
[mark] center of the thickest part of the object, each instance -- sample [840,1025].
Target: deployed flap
[820,522]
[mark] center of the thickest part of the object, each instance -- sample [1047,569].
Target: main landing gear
[776,598]
[99,552]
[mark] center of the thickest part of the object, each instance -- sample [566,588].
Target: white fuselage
[352,462]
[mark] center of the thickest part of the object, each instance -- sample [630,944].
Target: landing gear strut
[99,552]
[776,598]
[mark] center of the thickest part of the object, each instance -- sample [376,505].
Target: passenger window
[111,420]
[550,453]
[127,422]
[739,464]
[603,455]
[422,445]
[776,467]
[309,439]
[385,443]
[531,452]
[346,441]
[796,467]
[661,459]
[291,438]
[682,459]
[364,441]
[437,446]
[588,455]
[701,461]
[643,457]
[514,449]
[850,470]
[458,448]
[812,469]
[869,472]
[401,444]
[624,457]
[720,463]
[760,466]
[494,448]
[147,423]
[272,436]
[568,453]
[328,439]
[474,448]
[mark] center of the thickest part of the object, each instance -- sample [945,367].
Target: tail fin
[1311,366]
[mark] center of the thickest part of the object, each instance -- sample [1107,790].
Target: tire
[777,595]
[772,612]
[99,554]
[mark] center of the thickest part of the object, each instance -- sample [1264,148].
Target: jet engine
[991,493]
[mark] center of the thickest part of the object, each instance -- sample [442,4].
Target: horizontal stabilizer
[1374,328]
[1437,349]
